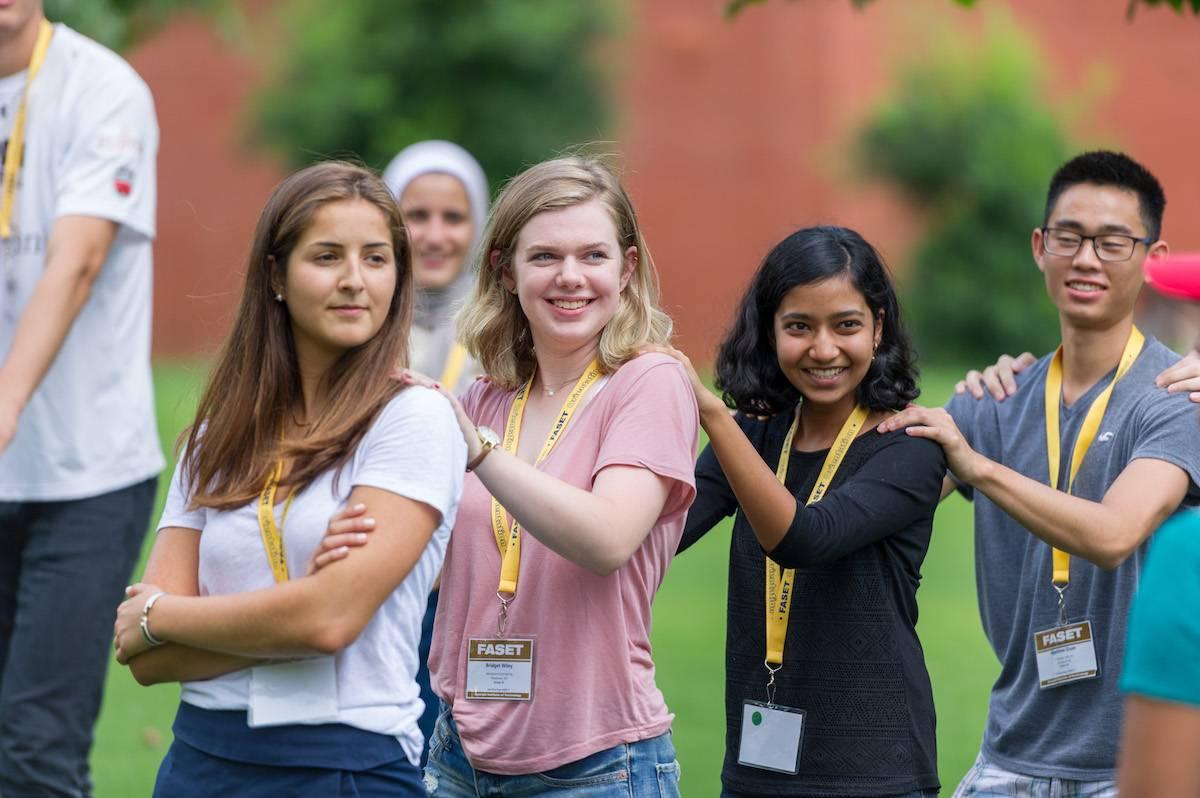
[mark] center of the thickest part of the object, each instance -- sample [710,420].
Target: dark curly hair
[748,373]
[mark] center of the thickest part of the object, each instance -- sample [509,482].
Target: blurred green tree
[513,81]
[969,139]
[121,23]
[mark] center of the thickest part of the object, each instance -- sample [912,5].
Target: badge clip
[1062,604]
[502,616]
[772,670]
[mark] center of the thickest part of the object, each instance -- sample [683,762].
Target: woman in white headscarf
[443,197]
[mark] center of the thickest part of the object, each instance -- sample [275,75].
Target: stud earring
[279,297]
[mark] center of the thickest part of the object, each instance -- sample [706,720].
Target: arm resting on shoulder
[322,613]
[714,500]
[767,505]
[598,529]
[1104,533]
[898,486]
[75,253]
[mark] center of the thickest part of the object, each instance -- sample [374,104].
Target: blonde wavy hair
[493,327]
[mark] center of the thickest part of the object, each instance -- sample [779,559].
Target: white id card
[1065,654]
[303,691]
[771,737]
[500,669]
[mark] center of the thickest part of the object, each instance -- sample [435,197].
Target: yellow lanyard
[508,538]
[272,536]
[1087,433]
[453,368]
[16,142]
[779,580]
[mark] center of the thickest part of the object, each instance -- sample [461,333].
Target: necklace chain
[559,387]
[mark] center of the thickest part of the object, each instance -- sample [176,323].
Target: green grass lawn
[689,633]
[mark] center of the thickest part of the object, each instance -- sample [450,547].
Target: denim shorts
[643,769]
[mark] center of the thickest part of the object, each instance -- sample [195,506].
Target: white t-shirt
[413,449]
[90,146]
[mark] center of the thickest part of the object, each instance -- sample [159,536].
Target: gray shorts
[985,779]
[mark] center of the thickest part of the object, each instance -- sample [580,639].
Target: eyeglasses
[1108,247]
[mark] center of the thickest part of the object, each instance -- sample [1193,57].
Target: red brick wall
[732,131]
[210,186]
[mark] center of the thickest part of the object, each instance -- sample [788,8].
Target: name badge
[303,691]
[1065,654]
[500,669]
[771,737]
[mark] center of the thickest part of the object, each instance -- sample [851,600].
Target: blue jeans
[429,717]
[913,794]
[63,570]
[645,769]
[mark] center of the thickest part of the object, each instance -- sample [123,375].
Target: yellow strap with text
[779,580]
[508,537]
[454,366]
[272,535]
[16,142]
[1087,433]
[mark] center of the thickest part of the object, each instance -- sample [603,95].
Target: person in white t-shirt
[79,450]
[297,682]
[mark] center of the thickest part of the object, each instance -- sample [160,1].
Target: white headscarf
[442,157]
[433,335]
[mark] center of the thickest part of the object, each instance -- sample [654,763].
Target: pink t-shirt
[593,682]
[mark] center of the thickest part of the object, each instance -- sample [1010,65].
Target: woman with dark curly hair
[830,696]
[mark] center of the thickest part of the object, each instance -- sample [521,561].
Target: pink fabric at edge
[593,674]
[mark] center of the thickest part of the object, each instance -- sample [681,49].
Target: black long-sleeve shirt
[852,659]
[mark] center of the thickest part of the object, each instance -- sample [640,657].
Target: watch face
[488,435]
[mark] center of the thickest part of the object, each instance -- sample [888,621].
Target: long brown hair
[237,437]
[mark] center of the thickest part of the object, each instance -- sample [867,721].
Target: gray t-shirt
[1070,731]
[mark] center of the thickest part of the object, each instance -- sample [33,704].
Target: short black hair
[1106,168]
[747,369]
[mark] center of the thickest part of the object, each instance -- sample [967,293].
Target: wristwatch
[489,440]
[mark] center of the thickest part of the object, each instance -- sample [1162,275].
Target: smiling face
[339,281]
[1088,292]
[825,337]
[437,215]
[568,271]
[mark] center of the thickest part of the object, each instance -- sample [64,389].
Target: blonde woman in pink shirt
[581,455]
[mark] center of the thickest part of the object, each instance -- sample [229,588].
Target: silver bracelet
[144,623]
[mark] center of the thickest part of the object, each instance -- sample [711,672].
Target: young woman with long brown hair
[299,684]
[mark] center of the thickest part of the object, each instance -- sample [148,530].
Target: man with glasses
[1069,477]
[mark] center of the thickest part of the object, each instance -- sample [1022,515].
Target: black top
[852,659]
